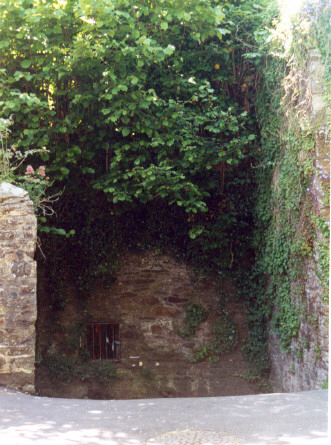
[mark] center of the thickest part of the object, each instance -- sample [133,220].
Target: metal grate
[103,341]
[188,437]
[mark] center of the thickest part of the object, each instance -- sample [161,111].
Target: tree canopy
[148,102]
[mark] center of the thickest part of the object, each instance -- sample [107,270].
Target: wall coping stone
[8,191]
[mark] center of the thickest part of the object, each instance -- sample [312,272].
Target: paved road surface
[271,419]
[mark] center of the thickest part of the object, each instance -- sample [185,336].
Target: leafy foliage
[195,314]
[225,339]
[35,182]
[145,101]
[147,112]
[284,211]
[65,369]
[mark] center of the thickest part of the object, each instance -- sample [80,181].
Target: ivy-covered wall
[292,211]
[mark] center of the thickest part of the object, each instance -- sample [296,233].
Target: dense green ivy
[284,218]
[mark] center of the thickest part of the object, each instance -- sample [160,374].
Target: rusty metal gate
[103,341]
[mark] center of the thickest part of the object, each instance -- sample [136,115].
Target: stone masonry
[18,308]
[306,366]
[148,300]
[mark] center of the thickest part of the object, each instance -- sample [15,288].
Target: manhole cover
[194,438]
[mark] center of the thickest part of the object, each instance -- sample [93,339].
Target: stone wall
[306,366]
[147,300]
[18,310]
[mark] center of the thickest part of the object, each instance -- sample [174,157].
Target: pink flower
[41,171]
[29,170]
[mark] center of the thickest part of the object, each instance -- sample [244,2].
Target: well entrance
[102,341]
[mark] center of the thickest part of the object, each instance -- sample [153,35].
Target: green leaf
[223,31]
[26,63]
[164,26]
[125,131]
[59,231]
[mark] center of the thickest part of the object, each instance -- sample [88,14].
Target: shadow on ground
[288,419]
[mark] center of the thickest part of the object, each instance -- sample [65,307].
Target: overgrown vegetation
[141,106]
[286,205]
[145,111]
[177,125]
[194,315]
[64,369]
[13,170]
[225,339]
[254,376]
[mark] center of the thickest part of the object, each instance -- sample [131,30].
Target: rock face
[18,308]
[306,366]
